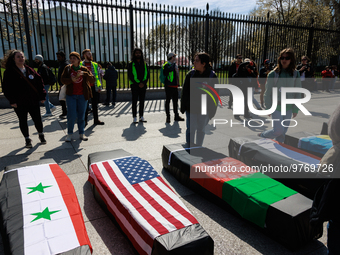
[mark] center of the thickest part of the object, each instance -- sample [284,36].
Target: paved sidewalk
[232,235]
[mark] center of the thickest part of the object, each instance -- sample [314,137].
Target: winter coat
[18,90]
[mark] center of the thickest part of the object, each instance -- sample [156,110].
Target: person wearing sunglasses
[306,74]
[284,75]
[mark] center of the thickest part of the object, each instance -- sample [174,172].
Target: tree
[12,21]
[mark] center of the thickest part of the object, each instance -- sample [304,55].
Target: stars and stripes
[143,204]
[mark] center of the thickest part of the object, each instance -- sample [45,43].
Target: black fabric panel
[287,221]
[251,154]
[293,140]
[81,250]
[11,214]
[290,224]
[189,240]
[324,130]
[32,163]
[106,155]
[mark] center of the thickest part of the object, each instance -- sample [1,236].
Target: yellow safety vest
[135,76]
[95,67]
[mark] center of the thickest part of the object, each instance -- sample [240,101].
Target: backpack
[51,77]
[162,76]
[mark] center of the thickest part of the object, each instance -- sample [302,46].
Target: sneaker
[68,138]
[28,143]
[135,120]
[83,137]
[53,109]
[42,139]
[98,122]
[179,118]
[167,119]
[47,115]
[141,119]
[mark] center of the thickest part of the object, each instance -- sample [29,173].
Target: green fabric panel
[251,196]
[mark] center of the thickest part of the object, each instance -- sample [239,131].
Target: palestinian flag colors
[40,212]
[295,168]
[280,211]
[146,208]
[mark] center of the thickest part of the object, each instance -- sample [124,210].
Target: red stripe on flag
[142,211]
[100,179]
[297,150]
[170,201]
[158,207]
[162,180]
[70,198]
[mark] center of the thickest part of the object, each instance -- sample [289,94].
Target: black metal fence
[111,29]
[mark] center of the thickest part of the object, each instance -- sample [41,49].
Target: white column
[55,40]
[71,39]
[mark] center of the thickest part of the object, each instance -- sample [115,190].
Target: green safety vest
[171,74]
[95,67]
[134,72]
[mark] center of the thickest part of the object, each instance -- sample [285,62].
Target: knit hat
[75,54]
[39,57]
[266,61]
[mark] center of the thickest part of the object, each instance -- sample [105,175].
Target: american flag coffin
[40,213]
[279,211]
[151,215]
[295,168]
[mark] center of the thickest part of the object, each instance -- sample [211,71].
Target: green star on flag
[45,214]
[39,188]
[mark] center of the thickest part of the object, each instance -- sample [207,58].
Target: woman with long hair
[284,75]
[78,91]
[24,89]
[191,99]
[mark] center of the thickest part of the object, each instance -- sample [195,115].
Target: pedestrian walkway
[232,235]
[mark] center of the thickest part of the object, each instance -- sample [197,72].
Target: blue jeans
[110,88]
[76,107]
[278,132]
[47,103]
[195,124]
[333,237]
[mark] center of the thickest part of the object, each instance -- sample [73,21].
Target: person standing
[111,76]
[335,73]
[24,89]
[326,79]
[284,75]
[62,64]
[138,75]
[78,91]
[306,74]
[233,70]
[326,206]
[45,74]
[264,71]
[195,121]
[171,82]
[96,86]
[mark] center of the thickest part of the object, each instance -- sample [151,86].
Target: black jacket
[111,76]
[62,66]
[167,69]
[193,92]
[18,91]
[232,70]
[309,74]
[140,69]
[43,72]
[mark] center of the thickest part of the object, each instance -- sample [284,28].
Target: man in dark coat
[111,76]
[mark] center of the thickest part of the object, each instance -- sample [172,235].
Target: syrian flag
[143,204]
[40,211]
